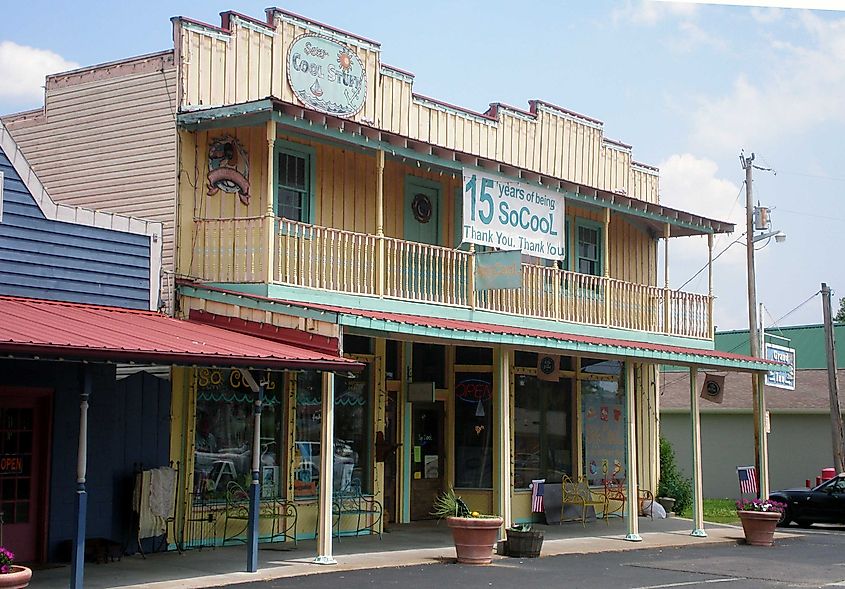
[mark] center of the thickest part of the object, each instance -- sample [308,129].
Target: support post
[711,329]
[667,300]
[605,271]
[471,295]
[78,562]
[832,383]
[380,261]
[255,487]
[632,500]
[270,209]
[502,412]
[697,499]
[324,534]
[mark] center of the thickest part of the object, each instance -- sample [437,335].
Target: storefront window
[542,430]
[224,433]
[474,430]
[604,422]
[352,432]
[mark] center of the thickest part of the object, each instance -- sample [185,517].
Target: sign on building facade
[508,214]
[327,75]
[781,380]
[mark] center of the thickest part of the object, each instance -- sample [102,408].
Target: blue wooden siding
[56,260]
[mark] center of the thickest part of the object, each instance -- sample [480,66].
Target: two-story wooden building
[320,198]
[320,193]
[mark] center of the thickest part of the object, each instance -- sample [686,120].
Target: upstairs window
[294,183]
[588,249]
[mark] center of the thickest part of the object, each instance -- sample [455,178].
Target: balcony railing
[310,256]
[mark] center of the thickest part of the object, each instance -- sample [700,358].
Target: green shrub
[672,482]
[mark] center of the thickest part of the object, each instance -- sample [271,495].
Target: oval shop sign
[326,75]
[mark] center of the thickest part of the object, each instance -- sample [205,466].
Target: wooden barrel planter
[524,544]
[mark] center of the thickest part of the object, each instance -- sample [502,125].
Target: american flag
[747,479]
[537,495]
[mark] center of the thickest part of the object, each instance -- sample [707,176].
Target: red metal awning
[74,331]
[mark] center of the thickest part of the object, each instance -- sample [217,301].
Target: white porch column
[697,499]
[632,501]
[502,413]
[324,528]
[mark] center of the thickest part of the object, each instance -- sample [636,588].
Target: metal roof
[448,330]
[37,328]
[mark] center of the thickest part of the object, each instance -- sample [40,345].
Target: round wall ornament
[421,207]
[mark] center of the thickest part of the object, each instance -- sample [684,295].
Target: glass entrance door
[24,435]
[426,457]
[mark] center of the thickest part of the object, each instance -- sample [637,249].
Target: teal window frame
[577,257]
[309,154]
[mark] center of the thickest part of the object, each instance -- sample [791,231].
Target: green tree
[840,314]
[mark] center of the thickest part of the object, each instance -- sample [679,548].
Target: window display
[604,419]
[352,432]
[224,431]
[474,430]
[542,430]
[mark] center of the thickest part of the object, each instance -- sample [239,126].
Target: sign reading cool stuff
[508,214]
[326,75]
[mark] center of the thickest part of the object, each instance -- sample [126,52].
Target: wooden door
[427,455]
[24,481]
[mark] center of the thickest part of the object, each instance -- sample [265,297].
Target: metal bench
[280,513]
[349,503]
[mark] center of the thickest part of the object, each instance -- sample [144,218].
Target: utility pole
[757,396]
[832,382]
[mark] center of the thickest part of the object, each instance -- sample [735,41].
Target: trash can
[828,473]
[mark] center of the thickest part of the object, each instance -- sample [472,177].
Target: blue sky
[688,85]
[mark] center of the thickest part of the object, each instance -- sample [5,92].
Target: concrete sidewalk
[415,544]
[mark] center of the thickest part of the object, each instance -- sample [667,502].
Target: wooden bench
[350,502]
[280,513]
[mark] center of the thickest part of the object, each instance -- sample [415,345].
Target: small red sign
[11,464]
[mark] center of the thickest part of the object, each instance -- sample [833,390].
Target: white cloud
[23,69]
[648,12]
[805,89]
[766,15]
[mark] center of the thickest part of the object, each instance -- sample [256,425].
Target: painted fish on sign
[326,75]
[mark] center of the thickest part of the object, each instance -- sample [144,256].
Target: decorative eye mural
[228,168]
[421,207]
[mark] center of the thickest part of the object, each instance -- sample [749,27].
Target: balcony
[280,251]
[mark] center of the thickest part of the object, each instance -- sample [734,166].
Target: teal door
[422,211]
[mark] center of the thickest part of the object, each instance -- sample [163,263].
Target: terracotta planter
[474,538]
[759,526]
[17,578]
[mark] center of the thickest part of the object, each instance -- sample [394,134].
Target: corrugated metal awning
[37,328]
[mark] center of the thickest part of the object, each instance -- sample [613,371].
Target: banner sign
[326,75]
[510,214]
[498,270]
[781,380]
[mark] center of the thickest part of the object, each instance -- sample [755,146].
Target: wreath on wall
[422,208]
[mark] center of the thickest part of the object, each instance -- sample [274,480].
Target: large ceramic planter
[474,538]
[17,578]
[759,526]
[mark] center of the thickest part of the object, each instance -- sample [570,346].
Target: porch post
[380,260]
[697,500]
[667,232]
[324,534]
[270,210]
[632,493]
[502,413]
[711,330]
[255,487]
[78,563]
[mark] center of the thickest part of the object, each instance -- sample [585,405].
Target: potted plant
[474,533]
[759,518]
[12,576]
[523,542]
